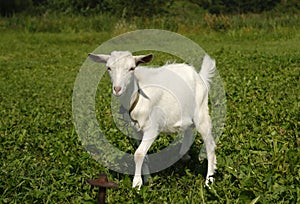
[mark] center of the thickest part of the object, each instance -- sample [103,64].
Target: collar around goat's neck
[137,97]
[133,105]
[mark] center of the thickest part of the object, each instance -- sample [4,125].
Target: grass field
[43,161]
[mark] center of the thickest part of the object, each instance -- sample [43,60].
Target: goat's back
[170,75]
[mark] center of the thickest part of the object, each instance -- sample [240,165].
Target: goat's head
[120,66]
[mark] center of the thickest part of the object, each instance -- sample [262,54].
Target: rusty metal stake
[103,184]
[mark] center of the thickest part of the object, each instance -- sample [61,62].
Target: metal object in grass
[103,184]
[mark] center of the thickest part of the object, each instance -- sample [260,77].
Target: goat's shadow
[179,168]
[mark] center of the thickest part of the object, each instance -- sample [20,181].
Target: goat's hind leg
[187,142]
[205,128]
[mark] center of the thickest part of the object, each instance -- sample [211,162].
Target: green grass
[42,160]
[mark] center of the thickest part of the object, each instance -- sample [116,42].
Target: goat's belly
[177,126]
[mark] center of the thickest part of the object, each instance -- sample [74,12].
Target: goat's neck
[128,95]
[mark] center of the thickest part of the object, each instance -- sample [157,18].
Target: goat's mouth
[118,94]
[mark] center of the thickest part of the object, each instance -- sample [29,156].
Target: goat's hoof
[137,182]
[209,180]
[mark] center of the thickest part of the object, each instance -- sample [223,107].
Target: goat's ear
[99,58]
[143,59]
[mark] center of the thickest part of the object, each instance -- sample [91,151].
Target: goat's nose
[117,89]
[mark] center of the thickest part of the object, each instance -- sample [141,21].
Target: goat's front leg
[139,155]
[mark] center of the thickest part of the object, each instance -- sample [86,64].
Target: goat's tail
[207,71]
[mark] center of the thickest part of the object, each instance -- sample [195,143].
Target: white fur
[173,98]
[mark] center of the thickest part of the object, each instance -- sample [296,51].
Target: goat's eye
[132,69]
[108,68]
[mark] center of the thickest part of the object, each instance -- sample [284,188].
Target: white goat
[171,98]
